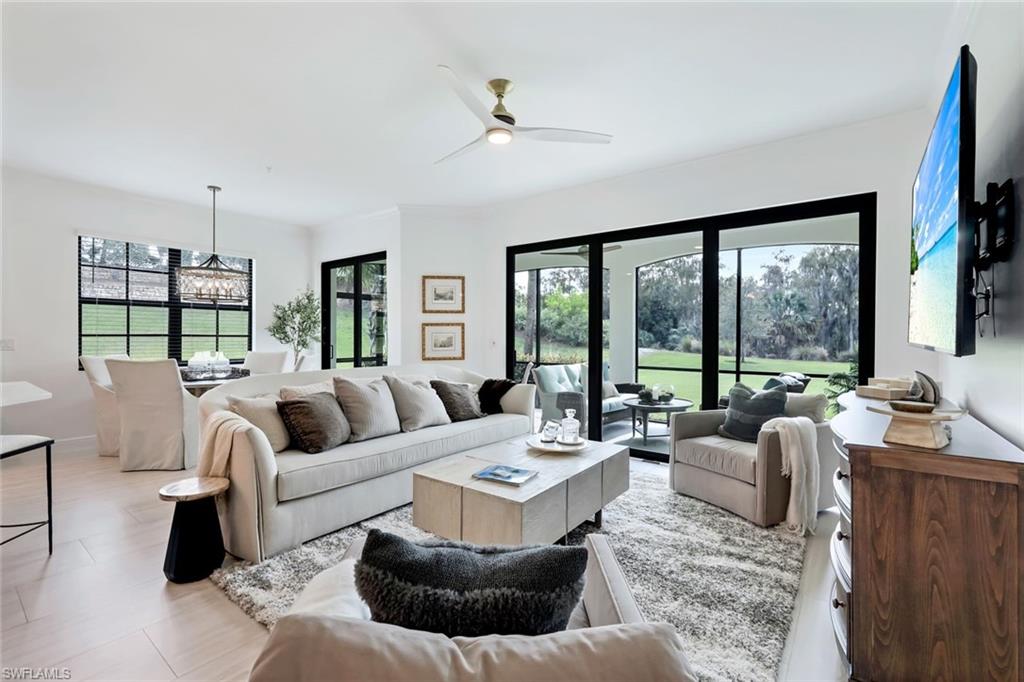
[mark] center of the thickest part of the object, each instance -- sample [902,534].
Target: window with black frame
[128,304]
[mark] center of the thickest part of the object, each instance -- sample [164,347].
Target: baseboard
[76,445]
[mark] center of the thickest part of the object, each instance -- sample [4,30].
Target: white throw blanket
[218,436]
[800,464]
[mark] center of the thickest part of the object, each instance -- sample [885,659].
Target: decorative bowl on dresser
[929,552]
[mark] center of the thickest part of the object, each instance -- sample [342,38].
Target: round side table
[195,548]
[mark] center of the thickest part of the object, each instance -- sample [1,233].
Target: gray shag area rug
[726,585]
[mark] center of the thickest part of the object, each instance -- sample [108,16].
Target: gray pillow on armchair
[748,410]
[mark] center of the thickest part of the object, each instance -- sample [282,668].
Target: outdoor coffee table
[645,411]
[567,490]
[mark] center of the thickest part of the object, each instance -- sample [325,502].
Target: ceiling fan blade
[478,108]
[581,254]
[563,135]
[613,247]
[463,149]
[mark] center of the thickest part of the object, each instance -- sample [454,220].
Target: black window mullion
[173,306]
[738,346]
[357,314]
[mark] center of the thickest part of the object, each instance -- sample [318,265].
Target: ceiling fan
[582,252]
[500,124]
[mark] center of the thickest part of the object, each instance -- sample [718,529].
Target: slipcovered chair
[108,423]
[159,418]
[745,478]
[328,634]
[562,387]
[274,362]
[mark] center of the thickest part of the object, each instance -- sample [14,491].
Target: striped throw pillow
[749,409]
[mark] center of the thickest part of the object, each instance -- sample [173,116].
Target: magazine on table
[502,473]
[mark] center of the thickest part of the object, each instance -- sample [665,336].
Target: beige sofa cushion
[725,456]
[417,403]
[306,647]
[262,413]
[370,408]
[300,474]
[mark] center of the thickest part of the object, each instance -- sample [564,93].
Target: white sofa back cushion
[307,647]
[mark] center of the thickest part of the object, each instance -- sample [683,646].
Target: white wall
[880,156]
[359,236]
[41,219]
[991,382]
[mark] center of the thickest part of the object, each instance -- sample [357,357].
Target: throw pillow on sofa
[459,589]
[315,422]
[810,405]
[262,413]
[749,409]
[293,392]
[369,406]
[491,392]
[460,400]
[418,405]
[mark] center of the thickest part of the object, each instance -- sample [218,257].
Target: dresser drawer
[840,555]
[839,610]
[842,492]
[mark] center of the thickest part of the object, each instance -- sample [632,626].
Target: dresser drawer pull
[840,475]
[836,604]
[841,535]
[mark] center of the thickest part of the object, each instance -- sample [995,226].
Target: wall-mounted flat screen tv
[942,239]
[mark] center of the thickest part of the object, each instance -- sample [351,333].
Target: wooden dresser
[929,553]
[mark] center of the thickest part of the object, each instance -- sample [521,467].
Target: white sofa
[278,501]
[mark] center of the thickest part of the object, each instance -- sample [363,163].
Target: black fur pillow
[491,392]
[465,590]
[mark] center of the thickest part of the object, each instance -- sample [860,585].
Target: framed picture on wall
[444,294]
[443,341]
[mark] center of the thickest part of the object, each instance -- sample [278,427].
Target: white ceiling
[343,102]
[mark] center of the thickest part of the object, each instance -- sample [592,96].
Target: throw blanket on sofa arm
[799,442]
[218,436]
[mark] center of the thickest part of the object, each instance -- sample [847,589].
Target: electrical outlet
[6,344]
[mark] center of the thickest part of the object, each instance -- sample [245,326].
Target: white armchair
[274,362]
[159,418]
[108,423]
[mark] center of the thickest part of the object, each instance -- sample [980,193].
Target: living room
[778,145]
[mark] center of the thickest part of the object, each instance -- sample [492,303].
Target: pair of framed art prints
[443,295]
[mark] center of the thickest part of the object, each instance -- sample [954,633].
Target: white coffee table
[568,490]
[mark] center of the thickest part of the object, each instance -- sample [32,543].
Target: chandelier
[213,280]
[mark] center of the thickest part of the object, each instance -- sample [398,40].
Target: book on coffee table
[503,473]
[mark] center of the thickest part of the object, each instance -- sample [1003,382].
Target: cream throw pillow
[369,407]
[261,412]
[810,405]
[418,405]
[293,392]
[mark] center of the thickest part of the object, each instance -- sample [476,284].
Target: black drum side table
[17,445]
[195,548]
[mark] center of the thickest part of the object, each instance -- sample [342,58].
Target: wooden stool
[195,548]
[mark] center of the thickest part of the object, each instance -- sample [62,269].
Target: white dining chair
[274,362]
[108,423]
[159,418]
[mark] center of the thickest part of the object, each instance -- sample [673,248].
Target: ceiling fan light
[499,136]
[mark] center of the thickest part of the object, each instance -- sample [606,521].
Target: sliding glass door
[690,308]
[354,311]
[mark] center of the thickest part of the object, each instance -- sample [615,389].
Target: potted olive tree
[297,323]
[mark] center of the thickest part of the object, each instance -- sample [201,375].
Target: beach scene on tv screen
[933,257]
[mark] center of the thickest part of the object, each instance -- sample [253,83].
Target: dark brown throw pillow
[491,392]
[315,422]
[460,401]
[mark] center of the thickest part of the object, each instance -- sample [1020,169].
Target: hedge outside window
[128,303]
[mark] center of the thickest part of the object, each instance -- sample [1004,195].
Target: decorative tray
[535,442]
